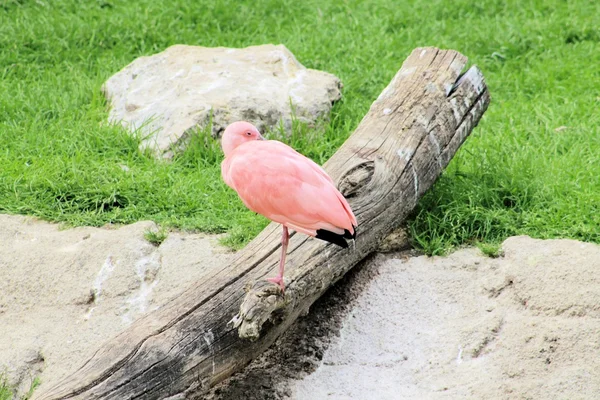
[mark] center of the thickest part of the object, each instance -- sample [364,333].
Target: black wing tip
[349,235]
[331,237]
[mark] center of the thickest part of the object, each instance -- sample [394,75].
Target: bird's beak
[260,137]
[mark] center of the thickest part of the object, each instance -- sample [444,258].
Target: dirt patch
[399,325]
[65,292]
[522,326]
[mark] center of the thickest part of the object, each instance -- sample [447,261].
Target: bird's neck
[228,145]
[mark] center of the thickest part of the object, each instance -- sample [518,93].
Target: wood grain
[215,327]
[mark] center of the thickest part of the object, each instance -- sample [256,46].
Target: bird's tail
[336,238]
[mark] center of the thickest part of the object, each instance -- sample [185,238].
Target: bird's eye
[248,133]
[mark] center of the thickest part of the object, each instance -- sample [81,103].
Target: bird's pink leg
[278,280]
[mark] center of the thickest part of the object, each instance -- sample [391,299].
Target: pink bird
[276,181]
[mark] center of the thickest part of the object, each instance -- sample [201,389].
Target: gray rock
[169,94]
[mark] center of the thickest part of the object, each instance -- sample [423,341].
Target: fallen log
[215,327]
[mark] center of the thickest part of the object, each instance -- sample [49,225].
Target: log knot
[260,305]
[356,179]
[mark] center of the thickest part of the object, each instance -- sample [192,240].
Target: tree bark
[215,327]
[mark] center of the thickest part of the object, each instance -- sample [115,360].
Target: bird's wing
[287,149]
[276,181]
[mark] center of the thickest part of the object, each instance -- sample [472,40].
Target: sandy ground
[398,326]
[523,326]
[64,292]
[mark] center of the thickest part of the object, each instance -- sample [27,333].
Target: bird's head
[237,134]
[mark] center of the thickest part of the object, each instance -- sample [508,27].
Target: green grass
[493,250]
[156,237]
[6,392]
[515,175]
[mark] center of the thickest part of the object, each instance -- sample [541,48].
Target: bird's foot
[278,280]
